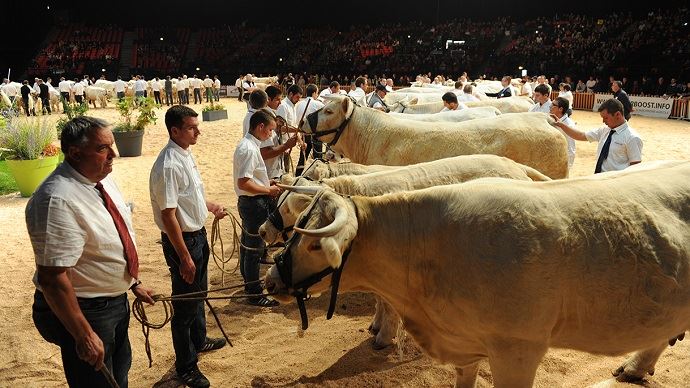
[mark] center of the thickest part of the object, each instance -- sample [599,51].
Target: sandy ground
[269,350]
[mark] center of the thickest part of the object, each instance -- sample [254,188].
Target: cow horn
[328,230]
[309,190]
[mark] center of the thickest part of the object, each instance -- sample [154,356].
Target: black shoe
[194,378]
[262,301]
[212,344]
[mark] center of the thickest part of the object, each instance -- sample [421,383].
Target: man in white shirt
[332,89]
[186,88]
[248,86]
[140,87]
[10,90]
[450,102]
[543,102]
[180,209]
[359,94]
[286,110]
[619,144]
[156,88]
[559,108]
[65,88]
[78,90]
[526,87]
[255,193]
[389,85]
[195,82]
[216,87]
[208,86]
[83,241]
[591,82]
[119,87]
[467,95]
[303,108]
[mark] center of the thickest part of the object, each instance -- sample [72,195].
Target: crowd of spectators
[641,49]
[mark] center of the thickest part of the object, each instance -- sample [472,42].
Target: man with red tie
[83,241]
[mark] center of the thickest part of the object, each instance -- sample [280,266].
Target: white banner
[643,106]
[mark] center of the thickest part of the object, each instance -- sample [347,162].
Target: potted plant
[213,112]
[129,133]
[31,155]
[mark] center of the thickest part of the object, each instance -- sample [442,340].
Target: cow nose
[262,233]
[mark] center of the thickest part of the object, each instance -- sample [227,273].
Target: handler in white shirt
[541,96]
[559,108]
[359,94]
[303,108]
[619,146]
[255,202]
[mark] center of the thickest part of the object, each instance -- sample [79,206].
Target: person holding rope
[83,241]
[255,193]
[179,210]
[302,109]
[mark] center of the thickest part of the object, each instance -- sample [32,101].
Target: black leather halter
[313,120]
[299,290]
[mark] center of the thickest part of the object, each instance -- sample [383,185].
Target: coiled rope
[139,310]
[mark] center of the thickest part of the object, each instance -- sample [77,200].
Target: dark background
[28,21]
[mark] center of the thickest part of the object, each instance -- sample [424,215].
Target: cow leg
[388,326]
[514,362]
[466,377]
[641,363]
[375,325]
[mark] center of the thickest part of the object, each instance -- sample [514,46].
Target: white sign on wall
[643,106]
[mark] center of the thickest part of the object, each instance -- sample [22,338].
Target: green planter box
[129,143]
[30,173]
[214,115]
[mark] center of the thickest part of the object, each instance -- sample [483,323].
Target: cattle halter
[283,262]
[313,120]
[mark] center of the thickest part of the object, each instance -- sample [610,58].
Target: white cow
[105,84]
[415,89]
[369,136]
[422,98]
[439,172]
[95,93]
[451,116]
[502,270]
[321,170]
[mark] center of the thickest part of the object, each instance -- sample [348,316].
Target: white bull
[95,93]
[452,116]
[369,136]
[440,172]
[422,98]
[502,270]
[321,170]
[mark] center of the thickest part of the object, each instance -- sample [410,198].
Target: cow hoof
[626,374]
[378,346]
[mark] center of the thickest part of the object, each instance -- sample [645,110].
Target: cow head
[323,233]
[401,105]
[291,203]
[327,120]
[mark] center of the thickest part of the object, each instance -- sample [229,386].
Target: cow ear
[331,251]
[348,107]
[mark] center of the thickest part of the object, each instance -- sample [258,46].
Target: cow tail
[535,175]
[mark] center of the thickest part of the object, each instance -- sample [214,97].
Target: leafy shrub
[145,113]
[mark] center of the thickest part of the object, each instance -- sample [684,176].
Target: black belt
[194,234]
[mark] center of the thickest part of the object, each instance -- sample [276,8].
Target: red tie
[121,226]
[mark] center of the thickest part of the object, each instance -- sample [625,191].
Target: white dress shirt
[286,110]
[274,166]
[245,122]
[571,142]
[314,105]
[248,163]
[175,182]
[568,95]
[64,86]
[196,83]
[216,83]
[626,146]
[119,86]
[155,86]
[140,85]
[358,94]
[78,89]
[544,108]
[467,98]
[208,82]
[69,226]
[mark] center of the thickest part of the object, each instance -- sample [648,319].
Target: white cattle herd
[480,244]
[465,227]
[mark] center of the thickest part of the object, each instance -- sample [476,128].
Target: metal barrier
[679,110]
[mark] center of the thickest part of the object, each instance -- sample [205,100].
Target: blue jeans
[188,324]
[254,212]
[109,318]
